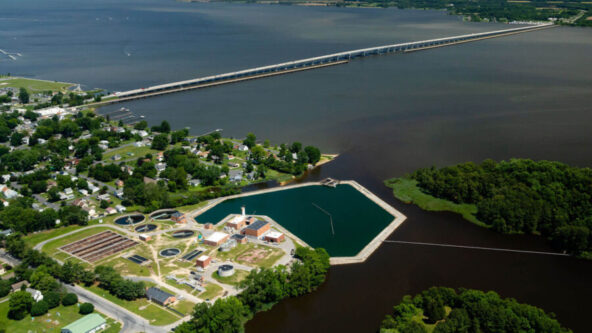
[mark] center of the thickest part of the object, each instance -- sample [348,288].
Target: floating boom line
[328,214]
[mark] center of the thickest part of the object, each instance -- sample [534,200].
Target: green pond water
[356,219]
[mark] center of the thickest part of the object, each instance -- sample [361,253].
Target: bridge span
[309,63]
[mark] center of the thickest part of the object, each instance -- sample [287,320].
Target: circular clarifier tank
[130,219]
[163,214]
[146,228]
[171,252]
[183,233]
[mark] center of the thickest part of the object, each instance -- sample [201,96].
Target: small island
[442,310]
[544,198]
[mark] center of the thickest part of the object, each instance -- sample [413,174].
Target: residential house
[37,295]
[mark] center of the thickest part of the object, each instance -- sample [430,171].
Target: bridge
[309,63]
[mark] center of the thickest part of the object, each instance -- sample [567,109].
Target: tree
[53,194]
[434,310]
[296,147]
[571,238]
[160,142]
[73,215]
[19,305]
[52,298]
[23,95]
[86,308]
[141,125]
[225,315]
[314,154]
[69,299]
[38,309]
[250,141]
[5,287]
[16,139]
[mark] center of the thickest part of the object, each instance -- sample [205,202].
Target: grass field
[123,152]
[33,85]
[38,237]
[406,190]
[184,306]
[155,314]
[53,321]
[212,290]
[234,279]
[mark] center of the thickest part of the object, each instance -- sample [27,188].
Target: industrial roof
[257,225]
[85,324]
[274,234]
[156,294]
[237,219]
[203,258]
[216,237]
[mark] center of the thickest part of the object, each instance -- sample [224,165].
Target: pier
[308,64]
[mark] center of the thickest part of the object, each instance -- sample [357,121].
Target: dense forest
[443,310]
[521,196]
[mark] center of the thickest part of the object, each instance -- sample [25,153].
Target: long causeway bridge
[309,63]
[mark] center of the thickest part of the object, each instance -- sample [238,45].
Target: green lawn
[184,306]
[187,209]
[126,267]
[212,290]
[38,237]
[123,152]
[155,314]
[406,190]
[234,279]
[50,322]
[33,85]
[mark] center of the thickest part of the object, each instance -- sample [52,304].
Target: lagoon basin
[307,213]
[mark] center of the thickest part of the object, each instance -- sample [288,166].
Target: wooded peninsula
[443,310]
[544,198]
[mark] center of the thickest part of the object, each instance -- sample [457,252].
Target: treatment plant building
[216,238]
[90,323]
[256,229]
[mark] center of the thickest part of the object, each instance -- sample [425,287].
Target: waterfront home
[242,148]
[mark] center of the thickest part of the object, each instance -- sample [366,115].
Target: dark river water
[526,95]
